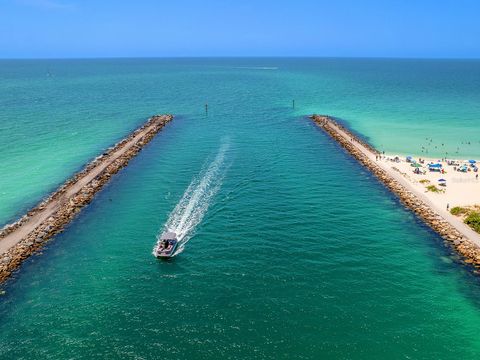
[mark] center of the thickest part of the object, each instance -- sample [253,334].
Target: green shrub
[433,188]
[458,210]
[473,220]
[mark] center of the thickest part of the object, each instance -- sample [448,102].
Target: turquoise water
[300,252]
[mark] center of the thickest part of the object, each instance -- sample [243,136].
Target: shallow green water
[301,254]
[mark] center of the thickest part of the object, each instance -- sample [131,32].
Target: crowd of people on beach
[420,167]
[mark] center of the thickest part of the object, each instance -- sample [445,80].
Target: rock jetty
[468,250]
[29,233]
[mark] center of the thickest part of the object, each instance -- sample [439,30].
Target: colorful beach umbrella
[442,180]
[417,165]
[472,161]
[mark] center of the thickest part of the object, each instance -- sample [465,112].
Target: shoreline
[23,238]
[460,236]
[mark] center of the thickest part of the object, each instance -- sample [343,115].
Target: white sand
[462,188]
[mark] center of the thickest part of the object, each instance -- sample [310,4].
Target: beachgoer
[448,206]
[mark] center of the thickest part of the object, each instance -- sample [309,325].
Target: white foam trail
[193,205]
[257,67]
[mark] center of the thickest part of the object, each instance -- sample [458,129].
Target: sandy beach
[462,189]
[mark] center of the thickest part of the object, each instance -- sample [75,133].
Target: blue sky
[356,28]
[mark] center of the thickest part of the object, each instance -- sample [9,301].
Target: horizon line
[240,57]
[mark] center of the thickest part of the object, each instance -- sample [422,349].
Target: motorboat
[166,245]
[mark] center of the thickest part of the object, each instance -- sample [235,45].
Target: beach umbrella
[417,165]
[442,180]
[472,161]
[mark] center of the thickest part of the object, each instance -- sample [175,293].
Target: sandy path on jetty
[20,233]
[433,200]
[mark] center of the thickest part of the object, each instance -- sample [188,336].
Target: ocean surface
[292,250]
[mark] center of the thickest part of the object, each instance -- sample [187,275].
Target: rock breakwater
[468,250]
[28,234]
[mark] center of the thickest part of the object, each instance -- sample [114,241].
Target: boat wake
[193,205]
[257,67]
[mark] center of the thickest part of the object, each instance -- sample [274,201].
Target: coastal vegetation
[473,220]
[470,215]
[433,188]
[458,210]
